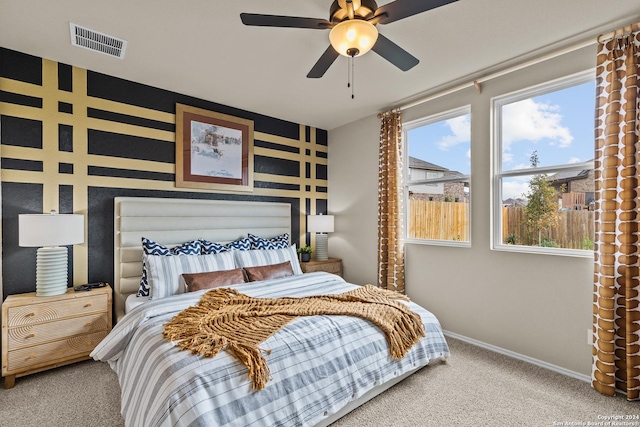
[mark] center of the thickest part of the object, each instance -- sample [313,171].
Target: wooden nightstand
[40,333]
[332,265]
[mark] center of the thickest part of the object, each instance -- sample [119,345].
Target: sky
[559,126]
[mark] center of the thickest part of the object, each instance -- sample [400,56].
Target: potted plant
[305,253]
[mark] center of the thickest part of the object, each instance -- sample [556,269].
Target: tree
[541,212]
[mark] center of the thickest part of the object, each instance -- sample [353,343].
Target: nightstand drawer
[331,267]
[76,346]
[47,312]
[24,336]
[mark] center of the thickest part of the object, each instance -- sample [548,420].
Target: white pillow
[260,257]
[164,272]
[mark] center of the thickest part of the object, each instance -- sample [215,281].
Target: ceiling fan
[353,32]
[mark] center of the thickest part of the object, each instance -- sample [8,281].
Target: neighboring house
[439,192]
[513,203]
[576,188]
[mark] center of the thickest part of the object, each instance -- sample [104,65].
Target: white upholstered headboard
[174,221]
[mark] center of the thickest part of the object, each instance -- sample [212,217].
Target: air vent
[97,41]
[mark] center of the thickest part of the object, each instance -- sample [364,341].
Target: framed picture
[213,150]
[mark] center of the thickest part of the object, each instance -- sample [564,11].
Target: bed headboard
[174,221]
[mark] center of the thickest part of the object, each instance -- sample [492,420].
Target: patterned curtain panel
[390,204]
[616,351]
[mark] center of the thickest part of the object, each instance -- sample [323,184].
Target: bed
[322,367]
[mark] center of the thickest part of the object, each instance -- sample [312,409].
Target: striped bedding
[318,364]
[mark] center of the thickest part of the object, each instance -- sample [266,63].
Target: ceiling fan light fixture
[353,35]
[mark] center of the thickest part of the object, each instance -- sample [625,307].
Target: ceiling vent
[97,41]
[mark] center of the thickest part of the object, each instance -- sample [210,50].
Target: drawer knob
[87,305]
[30,315]
[31,336]
[31,356]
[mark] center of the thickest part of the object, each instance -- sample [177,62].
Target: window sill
[577,253]
[450,243]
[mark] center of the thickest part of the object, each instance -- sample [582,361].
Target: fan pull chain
[350,75]
[349,71]
[353,77]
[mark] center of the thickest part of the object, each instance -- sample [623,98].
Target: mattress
[133,301]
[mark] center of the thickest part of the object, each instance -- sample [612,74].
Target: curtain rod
[620,32]
[602,37]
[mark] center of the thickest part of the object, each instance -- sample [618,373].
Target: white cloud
[514,189]
[522,166]
[507,157]
[461,132]
[574,160]
[532,121]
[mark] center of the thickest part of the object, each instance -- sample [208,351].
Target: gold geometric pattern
[306,185]
[616,301]
[390,204]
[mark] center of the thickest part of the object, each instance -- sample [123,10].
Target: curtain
[616,350]
[390,204]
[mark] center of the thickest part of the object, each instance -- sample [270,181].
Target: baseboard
[519,356]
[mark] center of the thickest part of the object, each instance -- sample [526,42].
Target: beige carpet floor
[475,387]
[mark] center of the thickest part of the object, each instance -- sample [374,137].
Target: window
[543,168]
[436,184]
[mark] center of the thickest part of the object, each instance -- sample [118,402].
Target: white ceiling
[201,48]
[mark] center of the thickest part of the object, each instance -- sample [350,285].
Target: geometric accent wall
[73,139]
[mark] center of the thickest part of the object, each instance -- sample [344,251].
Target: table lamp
[321,224]
[47,232]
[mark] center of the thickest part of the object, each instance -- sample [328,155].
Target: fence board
[434,220]
[438,220]
[575,228]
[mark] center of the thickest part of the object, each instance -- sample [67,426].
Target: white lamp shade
[320,223]
[353,34]
[37,230]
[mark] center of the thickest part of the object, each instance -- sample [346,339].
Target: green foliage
[587,244]
[305,250]
[541,211]
[512,239]
[548,243]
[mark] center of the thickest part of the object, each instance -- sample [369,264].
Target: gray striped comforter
[318,364]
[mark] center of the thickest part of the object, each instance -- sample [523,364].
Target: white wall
[536,305]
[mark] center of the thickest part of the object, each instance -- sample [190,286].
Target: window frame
[497,174]
[425,121]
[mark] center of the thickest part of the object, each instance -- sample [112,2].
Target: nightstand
[40,333]
[332,265]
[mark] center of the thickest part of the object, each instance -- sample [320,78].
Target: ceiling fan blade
[401,9]
[323,64]
[394,53]
[256,19]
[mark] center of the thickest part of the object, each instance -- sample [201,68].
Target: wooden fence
[438,220]
[450,221]
[575,228]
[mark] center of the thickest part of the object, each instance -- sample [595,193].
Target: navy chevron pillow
[278,242]
[208,247]
[149,247]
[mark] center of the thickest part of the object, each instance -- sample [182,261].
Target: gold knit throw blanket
[226,319]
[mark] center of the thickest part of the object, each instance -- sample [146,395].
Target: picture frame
[213,150]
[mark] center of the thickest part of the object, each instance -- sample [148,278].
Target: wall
[537,305]
[73,139]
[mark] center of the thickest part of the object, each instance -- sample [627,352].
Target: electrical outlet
[590,336]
